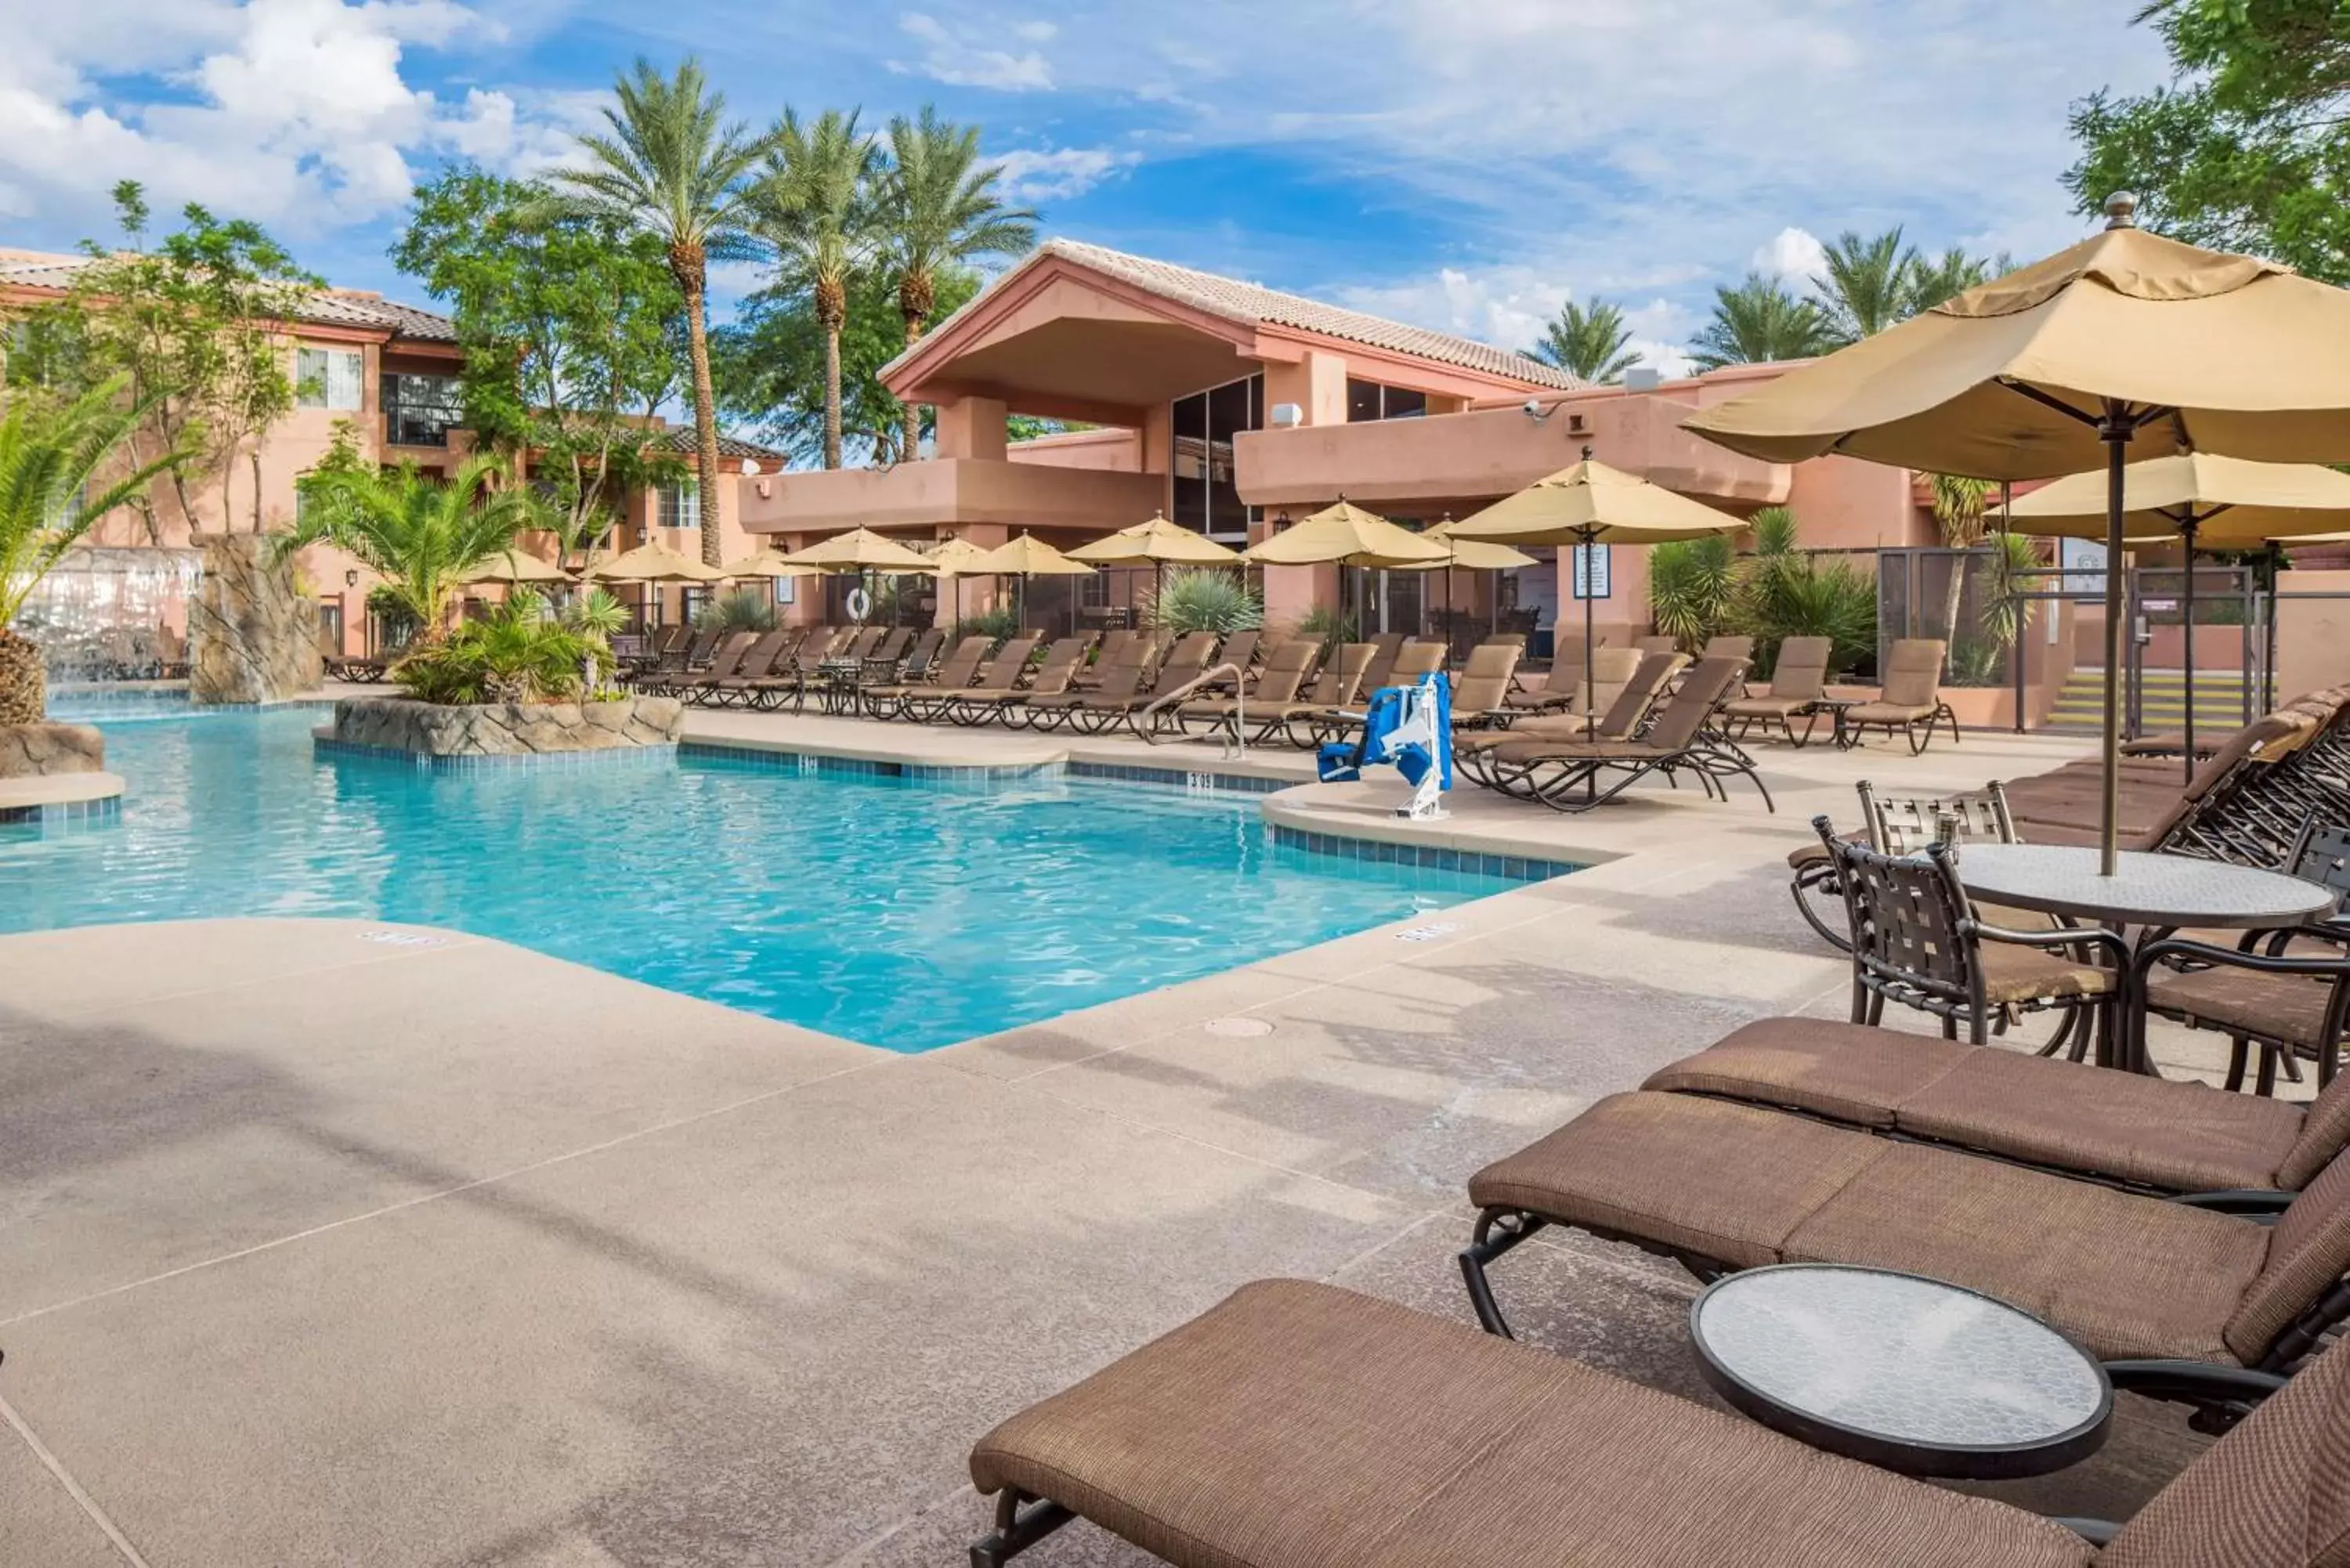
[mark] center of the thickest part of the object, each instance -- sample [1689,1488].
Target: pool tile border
[1425,856]
[526,762]
[1180,778]
[62,817]
[770,760]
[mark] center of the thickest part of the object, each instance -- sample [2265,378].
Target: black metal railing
[421,411]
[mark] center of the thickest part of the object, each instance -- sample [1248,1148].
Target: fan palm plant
[1691,586]
[1760,322]
[940,210]
[674,166]
[422,535]
[1870,282]
[816,208]
[1951,274]
[515,654]
[1587,341]
[62,466]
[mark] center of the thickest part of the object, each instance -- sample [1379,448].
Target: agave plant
[51,455]
[1691,586]
[745,609]
[1204,600]
[515,654]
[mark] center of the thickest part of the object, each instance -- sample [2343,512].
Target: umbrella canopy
[1350,536]
[861,550]
[1155,542]
[2126,339]
[768,562]
[1031,558]
[1476,554]
[515,566]
[2230,502]
[959,555]
[1592,504]
[652,562]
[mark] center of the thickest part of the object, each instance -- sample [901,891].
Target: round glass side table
[1902,1372]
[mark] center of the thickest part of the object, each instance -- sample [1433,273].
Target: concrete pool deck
[327,1243]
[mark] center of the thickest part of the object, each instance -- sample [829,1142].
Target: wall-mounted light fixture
[1287,416]
[351,579]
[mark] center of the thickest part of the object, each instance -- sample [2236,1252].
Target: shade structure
[1157,542]
[2127,341]
[768,562]
[1026,558]
[652,562]
[2204,500]
[1591,503]
[1476,554]
[515,566]
[861,550]
[1346,534]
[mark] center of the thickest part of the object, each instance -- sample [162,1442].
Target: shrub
[1204,600]
[744,609]
[999,623]
[515,654]
[1691,586]
[1332,626]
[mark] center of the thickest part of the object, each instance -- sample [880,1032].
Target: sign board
[2157,606]
[1594,571]
[2083,569]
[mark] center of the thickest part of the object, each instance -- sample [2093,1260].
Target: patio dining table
[2158,892]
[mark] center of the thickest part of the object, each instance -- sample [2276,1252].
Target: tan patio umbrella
[1157,544]
[768,562]
[1345,534]
[1590,504]
[513,567]
[860,552]
[2126,340]
[652,562]
[957,558]
[1026,557]
[2200,498]
[1475,555]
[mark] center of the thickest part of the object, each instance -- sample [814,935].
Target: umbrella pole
[2115,428]
[1590,687]
[2187,527]
[2267,659]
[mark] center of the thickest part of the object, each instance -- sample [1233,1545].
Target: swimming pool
[903,913]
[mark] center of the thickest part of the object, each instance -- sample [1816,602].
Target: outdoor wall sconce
[351,578]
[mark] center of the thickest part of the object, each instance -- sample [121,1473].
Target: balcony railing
[421,411]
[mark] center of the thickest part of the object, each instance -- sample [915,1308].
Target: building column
[973,428]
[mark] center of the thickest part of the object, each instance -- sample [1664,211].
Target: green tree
[1758,322]
[1870,284]
[64,464]
[674,167]
[1587,342]
[567,324]
[2247,147]
[940,212]
[421,536]
[1951,274]
[771,374]
[816,208]
[1959,514]
[194,328]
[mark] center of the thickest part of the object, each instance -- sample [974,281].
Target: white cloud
[1509,305]
[1034,175]
[1795,257]
[959,57]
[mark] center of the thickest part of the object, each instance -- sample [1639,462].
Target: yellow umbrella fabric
[1476,554]
[768,562]
[1157,542]
[1027,557]
[1592,504]
[653,563]
[959,555]
[2126,341]
[861,550]
[1348,535]
[515,566]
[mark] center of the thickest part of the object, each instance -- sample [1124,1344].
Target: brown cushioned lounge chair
[1304,1426]
[1909,698]
[1117,673]
[733,650]
[2231,1304]
[1277,685]
[1568,775]
[773,650]
[1484,685]
[2160,1136]
[1339,683]
[1003,673]
[1799,681]
[1414,662]
[1626,707]
[959,668]
[1050,678]
[1107,708]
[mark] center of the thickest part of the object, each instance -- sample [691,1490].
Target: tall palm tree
[1960,505]
[62,466]
[816,208]
[1953,272]
[422,535]
[1869,283]
[940,209]
[1758,322]
[674,166]
[1587,342]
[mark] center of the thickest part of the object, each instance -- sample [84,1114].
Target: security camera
[1532,408]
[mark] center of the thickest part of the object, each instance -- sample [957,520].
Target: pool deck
[326,1242]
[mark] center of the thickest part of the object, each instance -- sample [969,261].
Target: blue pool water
[906,914]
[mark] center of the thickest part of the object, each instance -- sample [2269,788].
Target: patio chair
[1909,698]
[1106,710]
[2213,1307]
[1484,684]
[1240,650]
[1901,825]
[1560,686]
[1300,1425]
[882,663]
[739,688]
[2160,1136]
[1627,686]
[2228,809]
[956,704]
[1062,661]
[1799,681]
[733,650]
[1566,774]
[1339,683]
[2263,992]
[1284,674]
[916,665]
[702,650]
[1113,678]
[1113,648]
[959,668]
[1413,663]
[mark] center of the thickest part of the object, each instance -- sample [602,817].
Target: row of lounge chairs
[769,669]
[2194,1241]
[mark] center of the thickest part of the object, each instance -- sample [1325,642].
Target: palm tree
[1869,285]
[673,166]
[1587,342]
[1759,322]
[815,207]
[940,210]
[51,455]
[1953,272]
[1958,505]
[422,535]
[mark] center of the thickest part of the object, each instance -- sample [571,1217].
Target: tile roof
[1253,304]
[680,439]
[332,306]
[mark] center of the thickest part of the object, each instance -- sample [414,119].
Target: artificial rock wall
[253,632]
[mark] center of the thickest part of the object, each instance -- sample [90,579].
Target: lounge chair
[1339,683]
[733,650]
[1566,776]
[2161,1136]
[1062,661]
[1386,647]
[740,689]
[959,668]
[1277,685]
[1484,685]
[1627,687]
[967,704]
[916,665]
[1240,650]
[2063,806]
[2232,1302]
[1909,698]
[1107,710]
[1114,677]
[1413,663]
[1304,1426]
[1799,682]
[1111,651]
[1657,644]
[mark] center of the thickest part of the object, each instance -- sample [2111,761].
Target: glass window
[421,411]
[328,378]
[1188,463]
[1228,415]
[681,505]
[1362,402]
[1401,403]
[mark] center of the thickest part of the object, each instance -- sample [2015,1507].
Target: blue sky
[1466,166]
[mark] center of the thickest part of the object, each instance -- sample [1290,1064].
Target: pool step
[2162,700]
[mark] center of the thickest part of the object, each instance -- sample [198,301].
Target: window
[1202,492]
[680,504]
[421,411]
[1368,401]
[328,378]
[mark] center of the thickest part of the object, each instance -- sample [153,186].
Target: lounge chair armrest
[2236,958]
[2096,1532]
[2192,1380]
[2252,1202]
[2103,941]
